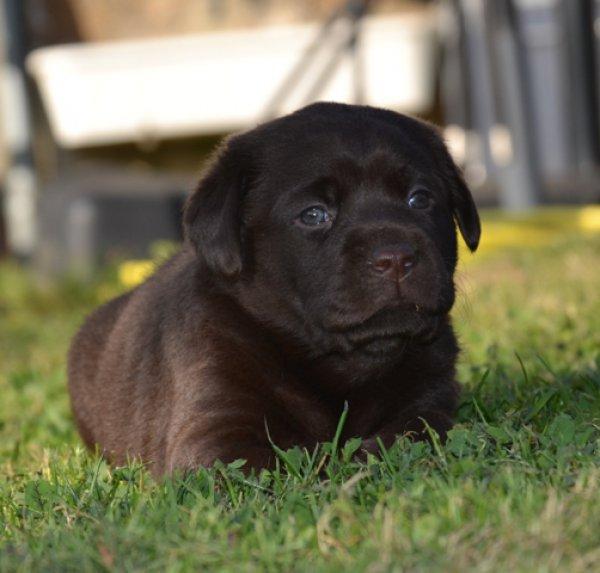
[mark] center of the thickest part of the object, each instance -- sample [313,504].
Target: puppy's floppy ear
[212,214]
[464,211]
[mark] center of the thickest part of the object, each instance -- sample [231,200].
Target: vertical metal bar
[358,10]
[455,78]
[20,183]
[358,68]
[579,28]
[520,180]
[480,165]
[595,16]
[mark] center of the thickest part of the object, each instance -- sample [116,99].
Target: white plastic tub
[210,83]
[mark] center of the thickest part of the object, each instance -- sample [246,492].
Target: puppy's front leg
[414,424]
[215,417]
[194,451]
[434,411]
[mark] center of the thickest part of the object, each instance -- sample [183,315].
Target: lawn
[516,488]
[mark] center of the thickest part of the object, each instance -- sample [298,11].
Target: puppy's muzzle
[393,262]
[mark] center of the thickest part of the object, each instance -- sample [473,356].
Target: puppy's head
[336,227]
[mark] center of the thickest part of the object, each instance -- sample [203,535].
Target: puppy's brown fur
[281,306]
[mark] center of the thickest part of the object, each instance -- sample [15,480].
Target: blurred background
[110,107]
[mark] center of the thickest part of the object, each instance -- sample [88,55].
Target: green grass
[517,487]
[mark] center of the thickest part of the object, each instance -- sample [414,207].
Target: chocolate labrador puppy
[317,270]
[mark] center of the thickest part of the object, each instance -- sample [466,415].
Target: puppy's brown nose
[394,260]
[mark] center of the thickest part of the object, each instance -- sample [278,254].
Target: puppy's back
[83,364]
[119,364]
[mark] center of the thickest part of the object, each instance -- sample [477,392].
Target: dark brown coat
[317,270]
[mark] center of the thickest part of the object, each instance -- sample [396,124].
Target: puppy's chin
[360,352]
[386,332]
[389,327]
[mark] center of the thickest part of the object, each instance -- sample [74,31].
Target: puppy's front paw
[418,428]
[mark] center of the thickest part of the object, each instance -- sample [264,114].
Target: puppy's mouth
[389,330]
[382,345]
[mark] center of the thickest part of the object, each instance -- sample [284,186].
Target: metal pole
[519,181]
[19,184]
[480,166]
[301,67]
[356,53]
[581,43]
[352,11]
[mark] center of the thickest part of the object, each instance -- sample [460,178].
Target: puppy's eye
[419,199]
[314,216]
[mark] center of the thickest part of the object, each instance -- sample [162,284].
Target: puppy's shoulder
[170,286]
